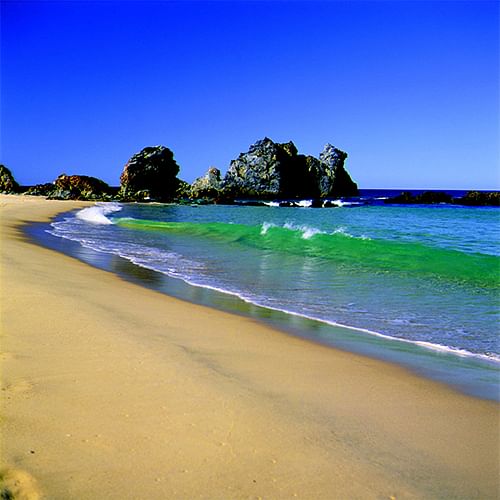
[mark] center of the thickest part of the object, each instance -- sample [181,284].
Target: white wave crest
[307,231]
[342,230]
[97,213]
[265,227]
[342,203]
[303,203]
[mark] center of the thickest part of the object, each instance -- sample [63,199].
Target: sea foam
[97,213]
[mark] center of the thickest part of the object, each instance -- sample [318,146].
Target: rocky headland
[269,172]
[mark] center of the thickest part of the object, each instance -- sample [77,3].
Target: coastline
[113,390]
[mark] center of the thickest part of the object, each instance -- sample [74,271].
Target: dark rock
[404,198]
[271,170]
[480,198]
[426,198]
[7,182]
[317,203]
[154,170]
[333,179]
[208,186]
[183,190]
[40,189]
[256,173]
[79,187]
[430,197]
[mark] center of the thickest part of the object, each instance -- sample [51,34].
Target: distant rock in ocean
[427,198]
[270,170]
[480,198]
[150,174]
[7,182]
[471,198]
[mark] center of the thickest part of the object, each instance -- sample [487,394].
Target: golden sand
[114,391]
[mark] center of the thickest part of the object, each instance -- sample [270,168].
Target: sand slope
[113,391]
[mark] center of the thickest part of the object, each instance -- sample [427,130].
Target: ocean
[414,285]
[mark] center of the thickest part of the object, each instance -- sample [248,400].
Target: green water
[412,259]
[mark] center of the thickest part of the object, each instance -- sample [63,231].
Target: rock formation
[208,186]
[480,198]
[7,182]
[79,187]
[333,179]
[256,173]
[273,170]
[150,174]
[45,189]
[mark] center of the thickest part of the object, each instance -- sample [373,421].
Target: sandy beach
[110,390]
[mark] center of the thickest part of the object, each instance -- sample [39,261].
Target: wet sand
[111,390]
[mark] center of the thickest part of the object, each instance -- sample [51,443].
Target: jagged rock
[79,187]
[208,186]
[480,198]
[272,170]
[7,182]
[153,169]
[269,170]
[257,173]
[333,179]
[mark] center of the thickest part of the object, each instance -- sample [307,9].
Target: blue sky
[408,88]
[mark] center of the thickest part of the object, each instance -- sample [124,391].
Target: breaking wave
[97,213]
[359,252]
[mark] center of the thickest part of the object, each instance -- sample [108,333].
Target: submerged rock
[152,170]
[7,182]
[270,170]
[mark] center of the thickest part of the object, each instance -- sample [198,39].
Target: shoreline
[470,373]
[107,384]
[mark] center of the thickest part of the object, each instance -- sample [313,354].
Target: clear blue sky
[408,89]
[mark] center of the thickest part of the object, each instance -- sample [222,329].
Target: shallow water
[416,285]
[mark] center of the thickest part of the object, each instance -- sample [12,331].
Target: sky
[409,89]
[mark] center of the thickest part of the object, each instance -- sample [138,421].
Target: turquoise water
[419,280]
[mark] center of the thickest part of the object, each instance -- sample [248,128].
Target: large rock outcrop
[150,174]
[256,173]
[79,187]
[273,170]
[7,182]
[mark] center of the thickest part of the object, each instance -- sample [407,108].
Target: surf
[97,214]
[346,251]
